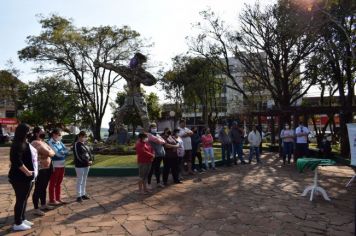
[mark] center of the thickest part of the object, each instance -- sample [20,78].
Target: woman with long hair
[23,172]
[45,153]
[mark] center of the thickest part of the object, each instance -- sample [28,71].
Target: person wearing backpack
[287,136]
[82,161]
[156,142]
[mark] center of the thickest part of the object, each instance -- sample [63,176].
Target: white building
[232,101]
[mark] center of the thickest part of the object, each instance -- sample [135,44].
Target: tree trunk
[273,131]
[345,117]
[96,128]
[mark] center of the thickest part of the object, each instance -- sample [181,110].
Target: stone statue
[134,75]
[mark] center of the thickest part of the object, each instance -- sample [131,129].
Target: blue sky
[166,23]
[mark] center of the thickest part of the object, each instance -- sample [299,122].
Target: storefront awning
[8,121]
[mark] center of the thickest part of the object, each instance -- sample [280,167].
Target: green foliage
[63,48]
[153,107]
[132,117]
[122,160]
[197,81]
[334,63]
[51,102]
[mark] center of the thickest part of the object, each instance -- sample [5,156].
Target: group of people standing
[297,139]
[35,162]
[179,149]
[232,140]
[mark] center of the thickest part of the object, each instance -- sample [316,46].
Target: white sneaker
[26,222]
[21,227]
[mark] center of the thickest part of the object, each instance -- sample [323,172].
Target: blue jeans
[225,153]
[287,151]
[209,153]
[238,151]
[254,150]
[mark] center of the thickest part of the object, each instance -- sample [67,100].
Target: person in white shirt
[301,132]
[254,138]
[180,152]
[186,134]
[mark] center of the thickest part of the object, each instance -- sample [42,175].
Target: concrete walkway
[241,200]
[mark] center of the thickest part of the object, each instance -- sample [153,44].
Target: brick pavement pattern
[241,200]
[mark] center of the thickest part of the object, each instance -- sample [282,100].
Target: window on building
[10,114]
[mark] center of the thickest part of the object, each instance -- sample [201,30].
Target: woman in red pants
[58,162]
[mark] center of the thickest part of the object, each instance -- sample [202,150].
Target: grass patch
[110,161]
[5,145]
[334,148]
[123,160]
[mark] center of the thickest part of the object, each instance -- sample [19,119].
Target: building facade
[8,105]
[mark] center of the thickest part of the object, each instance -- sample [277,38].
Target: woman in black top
[82,161]
[23,170]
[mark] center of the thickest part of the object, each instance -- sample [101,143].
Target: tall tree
[153,107]
[51,102]
[200,86]
[272,44]
[70,51]
[337,52]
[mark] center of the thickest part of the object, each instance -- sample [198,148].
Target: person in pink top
[207,143]
[287,136]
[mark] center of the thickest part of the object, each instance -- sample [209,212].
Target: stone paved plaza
[241,200]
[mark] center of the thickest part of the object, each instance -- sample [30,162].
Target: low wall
[133,171]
